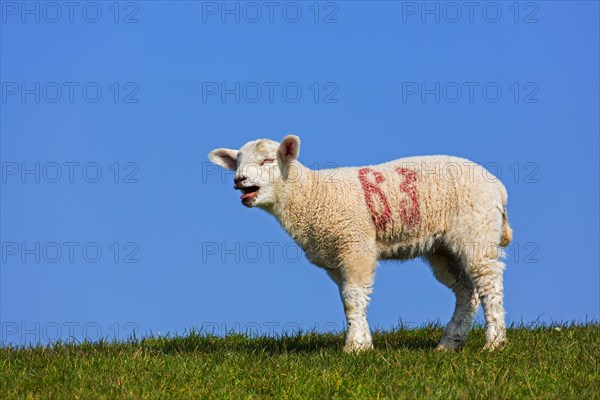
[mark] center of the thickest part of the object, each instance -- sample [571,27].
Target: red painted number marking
[410,214]
[381,215]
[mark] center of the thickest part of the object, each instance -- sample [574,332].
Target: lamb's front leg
[356,299]
[355,288]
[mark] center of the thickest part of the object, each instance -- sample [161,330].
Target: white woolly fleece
[446,209]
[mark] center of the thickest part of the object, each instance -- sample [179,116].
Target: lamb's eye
[266,161]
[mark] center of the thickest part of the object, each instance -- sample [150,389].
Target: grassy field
[544,362]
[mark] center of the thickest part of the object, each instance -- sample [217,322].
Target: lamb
[448,210]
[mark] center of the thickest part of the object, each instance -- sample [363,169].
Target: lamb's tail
[507,233]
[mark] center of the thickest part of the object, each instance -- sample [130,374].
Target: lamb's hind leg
[487,276]
[448,270]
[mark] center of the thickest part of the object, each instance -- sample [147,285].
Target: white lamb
[448,210]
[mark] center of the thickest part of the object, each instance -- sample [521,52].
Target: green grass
[542,362]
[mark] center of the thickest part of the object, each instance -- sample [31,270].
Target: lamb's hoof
[355,347]
[450,343]
[495,345]
[446,348]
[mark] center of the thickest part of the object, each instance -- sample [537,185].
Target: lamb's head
[260,166]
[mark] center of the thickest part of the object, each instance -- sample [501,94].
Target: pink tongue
[247,195]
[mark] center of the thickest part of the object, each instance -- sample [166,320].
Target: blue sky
[113,220]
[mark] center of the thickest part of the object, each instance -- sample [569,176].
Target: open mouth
[249,192]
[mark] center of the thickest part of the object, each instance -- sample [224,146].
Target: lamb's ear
[289,148]
[226,158]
